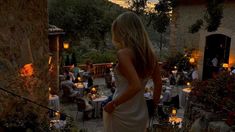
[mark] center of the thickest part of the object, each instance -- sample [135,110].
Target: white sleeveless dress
[131,116]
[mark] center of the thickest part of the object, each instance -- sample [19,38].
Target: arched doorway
[216,45]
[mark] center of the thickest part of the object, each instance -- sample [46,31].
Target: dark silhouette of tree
[73,60]
[67,61]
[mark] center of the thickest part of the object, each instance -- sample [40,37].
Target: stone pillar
[23,40]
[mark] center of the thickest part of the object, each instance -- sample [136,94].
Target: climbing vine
[212,17]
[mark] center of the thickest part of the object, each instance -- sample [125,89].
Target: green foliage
[160,22]
[83,18]
[196,26]
[137,6]
[98,56]
[217,94]
[161,19]
[24,117]
[181,60]
[212,16]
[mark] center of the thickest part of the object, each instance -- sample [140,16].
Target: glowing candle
[188,83]
[173,112]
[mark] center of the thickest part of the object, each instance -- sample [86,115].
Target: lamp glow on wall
[66,45]
[191,60]
[225,65]
[27,70]
[26,59]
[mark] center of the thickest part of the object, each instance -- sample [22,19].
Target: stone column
[23,40]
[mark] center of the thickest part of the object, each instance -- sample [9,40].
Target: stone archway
[203,42]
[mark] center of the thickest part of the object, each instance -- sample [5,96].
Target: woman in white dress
[127,112]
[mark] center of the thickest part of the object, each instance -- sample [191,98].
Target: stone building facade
[186,14]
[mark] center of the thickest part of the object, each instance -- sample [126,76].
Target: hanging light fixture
[66,45]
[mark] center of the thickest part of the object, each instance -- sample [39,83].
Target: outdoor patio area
[96,124]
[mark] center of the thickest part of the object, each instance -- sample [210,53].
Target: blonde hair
[128,32]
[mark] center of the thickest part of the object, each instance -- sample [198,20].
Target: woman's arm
[156,77]
[127,69]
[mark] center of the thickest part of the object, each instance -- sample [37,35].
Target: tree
[82,19]
[138,6]
[160,19]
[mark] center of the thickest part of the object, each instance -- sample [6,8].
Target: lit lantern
[66,45]
[191,60]
[27,70]
[225,65]
[79,78]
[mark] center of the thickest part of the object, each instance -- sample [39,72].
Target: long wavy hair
[128,32]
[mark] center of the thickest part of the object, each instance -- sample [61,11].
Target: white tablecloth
[97,105]
[54,102]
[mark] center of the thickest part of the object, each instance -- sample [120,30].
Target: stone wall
[23,40]
[187,15]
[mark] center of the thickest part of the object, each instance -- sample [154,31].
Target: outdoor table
[187,90]
[97,105]
[54,102]
[184,96]
[175,120]
[58,124]
[80,87]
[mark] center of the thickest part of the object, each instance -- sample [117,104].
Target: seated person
[69,86]
[89,109]
[166,96]
[108,78]
[232,70]
[70,74]
[75,70]
[89,82]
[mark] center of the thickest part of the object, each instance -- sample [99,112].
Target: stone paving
[93,125]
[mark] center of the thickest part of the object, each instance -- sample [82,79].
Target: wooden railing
[99,68]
